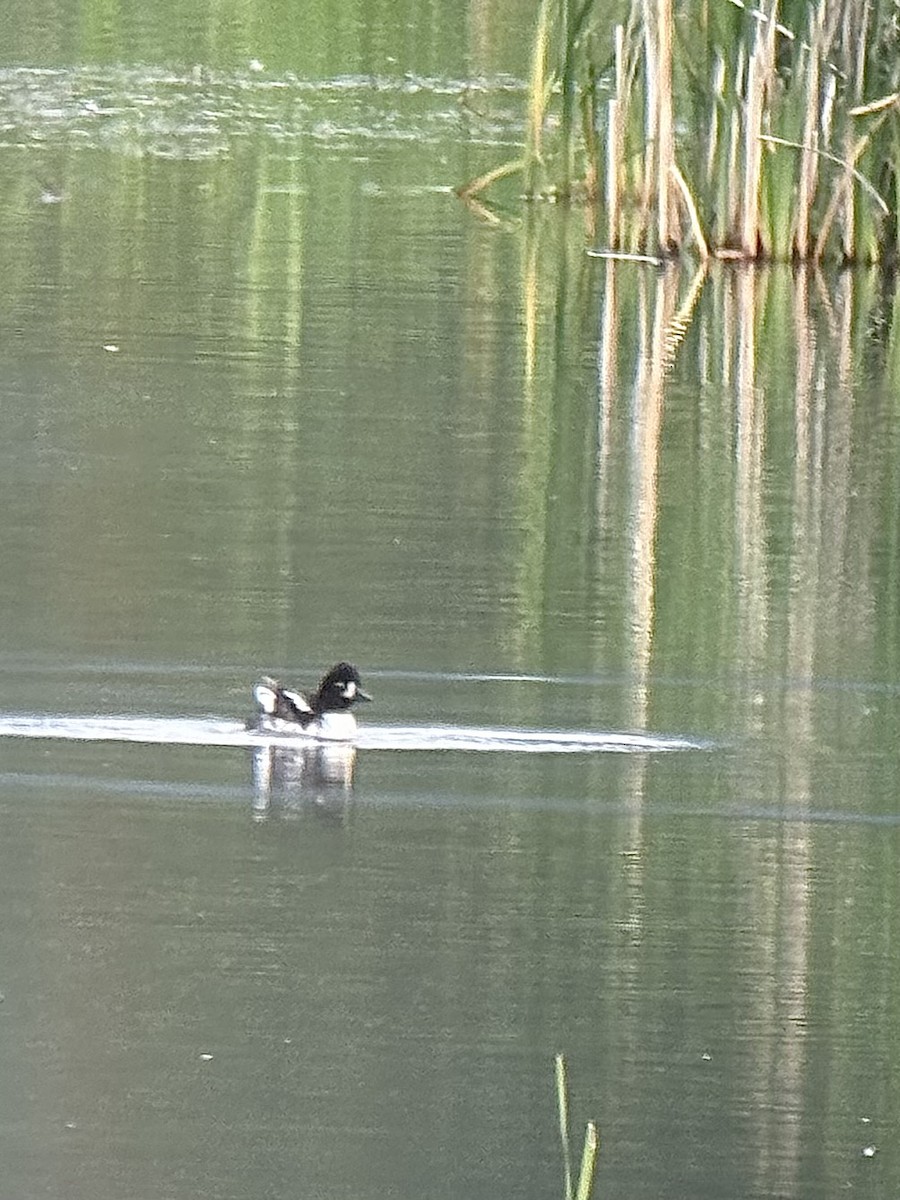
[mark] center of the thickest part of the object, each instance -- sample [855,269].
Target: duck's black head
[340,689]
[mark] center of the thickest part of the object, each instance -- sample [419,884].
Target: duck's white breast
[335,726]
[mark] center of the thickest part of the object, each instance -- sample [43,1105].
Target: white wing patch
[298,701]
[265,698]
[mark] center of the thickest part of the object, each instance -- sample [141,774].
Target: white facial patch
[349,690]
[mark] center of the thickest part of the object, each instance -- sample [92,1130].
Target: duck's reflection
[320,774]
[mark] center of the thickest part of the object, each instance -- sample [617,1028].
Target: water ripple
[193,731]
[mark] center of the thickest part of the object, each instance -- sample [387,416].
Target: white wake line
[190,731]
[534,741]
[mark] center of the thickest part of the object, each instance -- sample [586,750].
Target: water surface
[271,397]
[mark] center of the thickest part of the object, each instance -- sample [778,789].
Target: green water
[270,396]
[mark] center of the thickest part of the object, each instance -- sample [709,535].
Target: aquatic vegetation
[744,132]
[580,1190]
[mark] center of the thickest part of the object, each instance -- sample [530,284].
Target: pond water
[272,397]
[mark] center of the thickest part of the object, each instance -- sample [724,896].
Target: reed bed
[722,129]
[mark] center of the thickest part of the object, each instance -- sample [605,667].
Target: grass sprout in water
[582,1190]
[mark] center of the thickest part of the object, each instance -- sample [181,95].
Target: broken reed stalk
[588,1162]
[590,1149]
[839,205]
[691,208]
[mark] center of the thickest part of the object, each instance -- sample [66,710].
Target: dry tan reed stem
[651,106]
[613,162]
[847,209]
[848,164]
[537,98]
[845,182]
[809,161]
[732,188]
[615,141]
[760,70]
[474,186]
[858,39]
[665,161]
[864,110]
[750,187]
[712,137]
[691,208]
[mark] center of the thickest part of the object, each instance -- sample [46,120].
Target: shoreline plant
[766,133]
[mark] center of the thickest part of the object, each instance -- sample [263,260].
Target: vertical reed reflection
[750,518]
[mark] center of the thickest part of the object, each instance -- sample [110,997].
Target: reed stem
[582,1190]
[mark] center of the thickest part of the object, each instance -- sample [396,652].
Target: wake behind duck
[210,731]
[289,719]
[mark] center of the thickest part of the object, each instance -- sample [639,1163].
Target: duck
[325,713]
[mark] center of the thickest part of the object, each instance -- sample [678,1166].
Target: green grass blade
[562,1103]
[588,1162]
